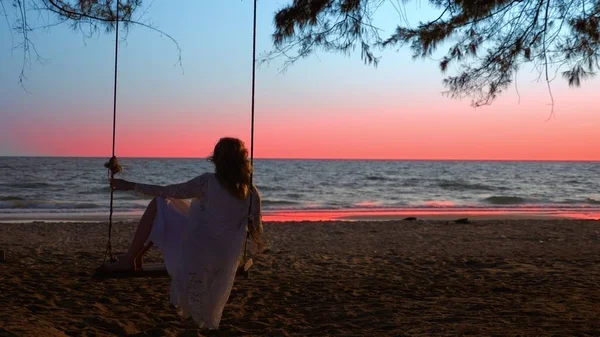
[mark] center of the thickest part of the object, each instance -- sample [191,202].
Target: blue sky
[327,102]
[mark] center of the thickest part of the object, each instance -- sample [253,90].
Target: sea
[77,188]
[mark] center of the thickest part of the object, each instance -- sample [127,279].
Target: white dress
[201,242]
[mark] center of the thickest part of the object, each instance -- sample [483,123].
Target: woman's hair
[234,172]
[232,166]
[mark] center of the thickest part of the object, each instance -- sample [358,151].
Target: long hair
[232,166]
[234,172]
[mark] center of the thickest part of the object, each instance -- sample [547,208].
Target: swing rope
[250,216]
[113,165]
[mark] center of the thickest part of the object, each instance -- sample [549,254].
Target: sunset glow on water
[446,214]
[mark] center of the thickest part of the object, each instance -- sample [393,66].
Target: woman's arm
[194,188]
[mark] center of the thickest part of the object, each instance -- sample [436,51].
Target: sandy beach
[389,278]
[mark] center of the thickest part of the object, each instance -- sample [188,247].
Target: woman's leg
[139,239]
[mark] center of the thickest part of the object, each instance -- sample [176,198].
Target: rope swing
[113,164]
[246,264]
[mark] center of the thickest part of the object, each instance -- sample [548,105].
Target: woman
[202,240]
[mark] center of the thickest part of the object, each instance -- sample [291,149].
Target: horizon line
[319,158]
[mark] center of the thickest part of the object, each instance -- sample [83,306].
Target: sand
[391,278]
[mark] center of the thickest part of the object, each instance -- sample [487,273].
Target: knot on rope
[113,166]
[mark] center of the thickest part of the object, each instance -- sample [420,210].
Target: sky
[324,106]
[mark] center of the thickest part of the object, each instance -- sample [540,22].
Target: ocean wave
[11,198]
[97,190]
[439,203]
[463,186]
[27,185]
[376,178]
[586,201]
[505,200]
[268,188]
[270,202]
[412,182]
[368,204]
[592,201]
[41,204]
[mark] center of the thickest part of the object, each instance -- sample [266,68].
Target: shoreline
[345,215]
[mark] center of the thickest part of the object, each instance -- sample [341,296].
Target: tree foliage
[488,39]
[87,16]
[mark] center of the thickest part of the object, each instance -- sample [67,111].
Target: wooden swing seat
[148,270]
[145,270]
[156,270]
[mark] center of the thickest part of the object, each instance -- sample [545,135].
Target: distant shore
[359,278]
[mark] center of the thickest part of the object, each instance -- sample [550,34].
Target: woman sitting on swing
[201,241]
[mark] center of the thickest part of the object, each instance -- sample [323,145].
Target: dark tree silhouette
[87,16]
[488,39]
